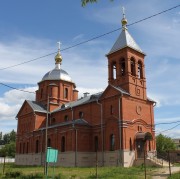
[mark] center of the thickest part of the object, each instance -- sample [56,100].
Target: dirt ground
[163,173]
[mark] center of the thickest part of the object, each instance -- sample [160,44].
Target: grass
[175,176]
[78,173]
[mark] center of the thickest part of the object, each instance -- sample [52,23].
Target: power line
[94,38]
[169,129]
[17,88]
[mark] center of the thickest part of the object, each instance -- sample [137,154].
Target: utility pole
[46,134]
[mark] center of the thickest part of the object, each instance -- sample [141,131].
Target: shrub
[14,174]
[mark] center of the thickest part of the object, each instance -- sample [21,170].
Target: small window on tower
[66,93]
[133,67]
[114,70]
[41,93]
[50,92]
[140,73]
[122,67]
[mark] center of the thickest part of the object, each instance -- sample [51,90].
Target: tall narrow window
[114,70]
[81,114]
[49,142]
[24,145]
[37,146]
[66,93]
[130,145]
[20,148]
[27,147]
[122,67]
[112,142]
[41,93]
[111,110]
[63,144]
[96,143]
[133,67]
[50,92]
[149,145]
[140,74]
[66,118]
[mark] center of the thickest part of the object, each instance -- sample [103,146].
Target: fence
[7,160]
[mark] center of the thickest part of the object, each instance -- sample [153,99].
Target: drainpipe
[75,137]
[102,135]
[120,132]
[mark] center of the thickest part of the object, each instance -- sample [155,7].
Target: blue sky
[30,29]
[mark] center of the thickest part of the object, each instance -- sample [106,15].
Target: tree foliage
[8,150]
[8,142]
[163,144]
[84,2]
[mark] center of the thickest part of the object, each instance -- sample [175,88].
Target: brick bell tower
[126,67]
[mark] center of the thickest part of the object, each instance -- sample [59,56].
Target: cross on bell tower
[126,64]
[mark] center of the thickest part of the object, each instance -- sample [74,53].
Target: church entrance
[140,148]
[141,139]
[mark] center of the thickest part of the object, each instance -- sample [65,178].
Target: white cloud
[11,102]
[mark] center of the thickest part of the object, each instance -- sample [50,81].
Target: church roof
[125,40]
[120,89]
[38,107]
[71,122]
[81,101]
[57,74]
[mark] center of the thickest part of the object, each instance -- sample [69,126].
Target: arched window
[63,144]
[49,142]
[27,147]
[41,93]
[66,93]
[114,70]
[149,145]
[123,67]
[140,73]
[24,145]
[51,92]
[130,144]
[96,143]
[133,67]
[37,146]
[66,118]
[81,114]
[20,148]
[111,110]
[112,142]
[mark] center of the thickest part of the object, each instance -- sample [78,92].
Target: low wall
[80,159]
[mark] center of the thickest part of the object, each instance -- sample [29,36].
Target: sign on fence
[52,155]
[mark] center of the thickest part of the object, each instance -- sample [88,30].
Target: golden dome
[58,58]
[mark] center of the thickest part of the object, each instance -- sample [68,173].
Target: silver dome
[57,74]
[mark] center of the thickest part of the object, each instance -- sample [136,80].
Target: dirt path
[163,173]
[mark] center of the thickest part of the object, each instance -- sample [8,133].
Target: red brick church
[117,123]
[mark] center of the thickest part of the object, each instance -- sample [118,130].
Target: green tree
[163,144]
[9,137]
[6,138]
[84,2]
[8,150]
[12,136]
